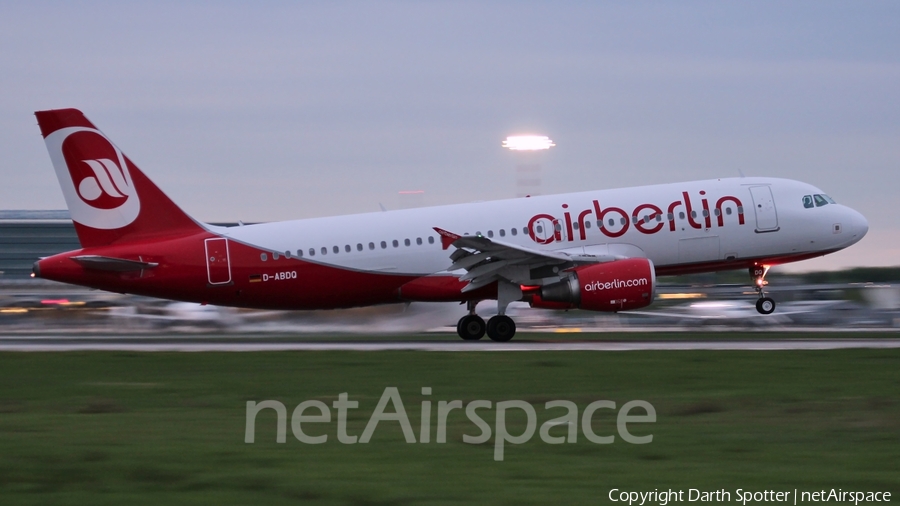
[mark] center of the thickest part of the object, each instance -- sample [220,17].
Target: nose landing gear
[765,305]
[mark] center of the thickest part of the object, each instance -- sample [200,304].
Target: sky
[283,110]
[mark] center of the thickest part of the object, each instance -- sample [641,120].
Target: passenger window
[808,201]
[587,224]
[612,222]
[728,211]
[430,240]
[681,215]
[312,252]
[693,214]
[336,250]
[524,230]
[300,253]
[599,224]
[717,212]
[324,250]
[347,248]
[706,213]
[287,254]
[274,256]
[670,216]
[419,241]
[820,201]
[395,243]
[623,220]
[383,245]
[263,257]
[575,226]
[740,209]
[406,242]
[490,233]
[371,245]
[502,233]
[557,227]
[540,229]
[514,231]
[359,246]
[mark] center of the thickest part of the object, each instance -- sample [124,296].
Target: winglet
[447,238]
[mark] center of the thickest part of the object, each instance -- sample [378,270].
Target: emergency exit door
[764,207]
[218,264]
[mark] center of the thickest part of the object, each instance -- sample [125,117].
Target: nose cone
[859,226]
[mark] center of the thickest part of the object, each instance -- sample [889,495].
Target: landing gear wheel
[501,328]
[470,327]
[765,305]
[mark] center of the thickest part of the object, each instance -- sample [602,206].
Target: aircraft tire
[765,305]
[501,328]
[470,327]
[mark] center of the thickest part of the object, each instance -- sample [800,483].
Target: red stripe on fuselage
[287,283]
[181,274]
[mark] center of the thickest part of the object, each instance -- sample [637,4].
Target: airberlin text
[646,218]
[559,430]
[596,286]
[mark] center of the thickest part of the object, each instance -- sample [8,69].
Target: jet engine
[611,286]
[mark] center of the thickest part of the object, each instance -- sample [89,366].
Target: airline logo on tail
[94,177]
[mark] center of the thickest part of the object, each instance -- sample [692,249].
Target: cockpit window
[818,200]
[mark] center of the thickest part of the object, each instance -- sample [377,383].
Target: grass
[156,428]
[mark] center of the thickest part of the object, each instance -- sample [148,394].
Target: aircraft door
[544,230]
[764,206]
[218,263]
[560,231]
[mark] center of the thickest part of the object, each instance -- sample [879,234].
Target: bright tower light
[528,142]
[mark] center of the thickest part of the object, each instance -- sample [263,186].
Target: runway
[55,344]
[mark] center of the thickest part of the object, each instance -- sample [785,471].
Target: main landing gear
[472,327]
[764,305]
[499,328]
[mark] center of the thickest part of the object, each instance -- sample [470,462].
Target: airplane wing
[487,260]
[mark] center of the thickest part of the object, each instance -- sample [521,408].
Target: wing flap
[487,260]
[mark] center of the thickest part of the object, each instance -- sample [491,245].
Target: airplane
[594,250]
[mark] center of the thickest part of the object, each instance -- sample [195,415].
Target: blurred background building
[528,152]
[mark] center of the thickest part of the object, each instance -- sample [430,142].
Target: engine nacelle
[611,286]
[537,302]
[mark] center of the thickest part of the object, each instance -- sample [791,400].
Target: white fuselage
[776,225]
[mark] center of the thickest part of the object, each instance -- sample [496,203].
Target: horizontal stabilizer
[110,264]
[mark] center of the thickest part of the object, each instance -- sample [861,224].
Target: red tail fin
[110,199]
